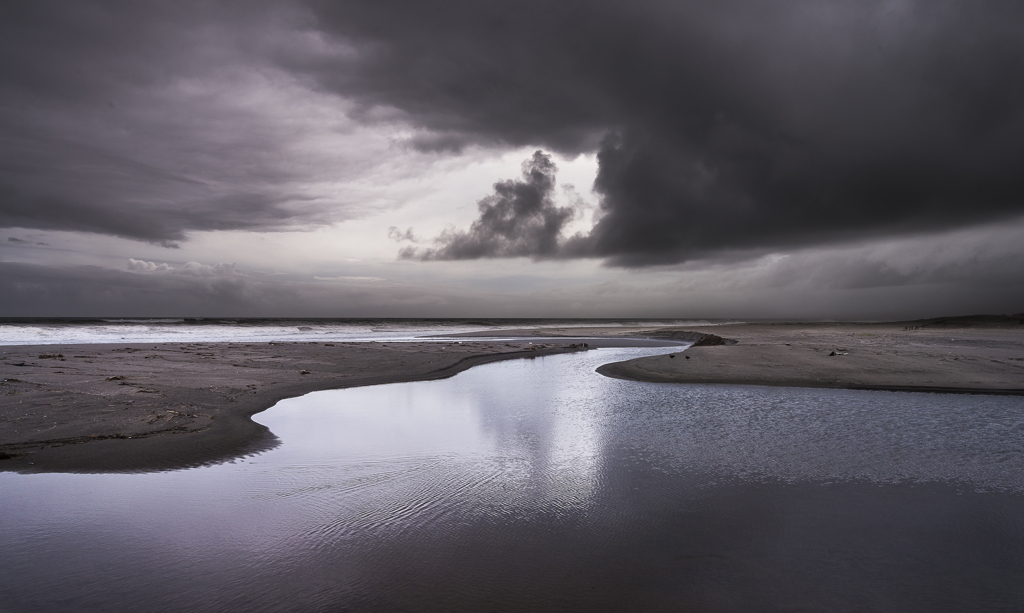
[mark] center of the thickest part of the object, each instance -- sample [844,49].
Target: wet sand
[962,355]
[98,408]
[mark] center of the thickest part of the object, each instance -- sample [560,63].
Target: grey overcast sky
[736,158]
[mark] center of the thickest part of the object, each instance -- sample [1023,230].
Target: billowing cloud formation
[739,124]
[719,126]
[519,219]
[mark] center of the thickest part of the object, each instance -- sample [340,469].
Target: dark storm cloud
[719,126]
[739,124]
[519,219]
[145,119]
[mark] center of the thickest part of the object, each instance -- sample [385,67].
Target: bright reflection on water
[540,485]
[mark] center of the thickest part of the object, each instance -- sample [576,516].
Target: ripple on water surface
[540,485]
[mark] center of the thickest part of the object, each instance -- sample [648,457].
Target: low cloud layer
[966,271]
[191,269]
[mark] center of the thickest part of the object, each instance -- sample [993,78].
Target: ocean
[189,330]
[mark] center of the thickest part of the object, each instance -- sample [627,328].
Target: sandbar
[981,355]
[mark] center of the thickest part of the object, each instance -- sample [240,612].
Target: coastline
[148,407]
[957,355]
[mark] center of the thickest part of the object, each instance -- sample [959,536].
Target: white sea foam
[170,330]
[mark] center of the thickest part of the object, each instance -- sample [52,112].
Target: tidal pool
[536,485]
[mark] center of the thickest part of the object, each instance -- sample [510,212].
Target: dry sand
[952,355]
[149,407]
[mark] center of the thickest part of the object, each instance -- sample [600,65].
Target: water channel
[541,485]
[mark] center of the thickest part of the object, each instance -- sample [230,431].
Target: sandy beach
[954,355]
[138,407]
[150,407]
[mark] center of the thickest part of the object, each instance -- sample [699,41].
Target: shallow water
[540,485]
